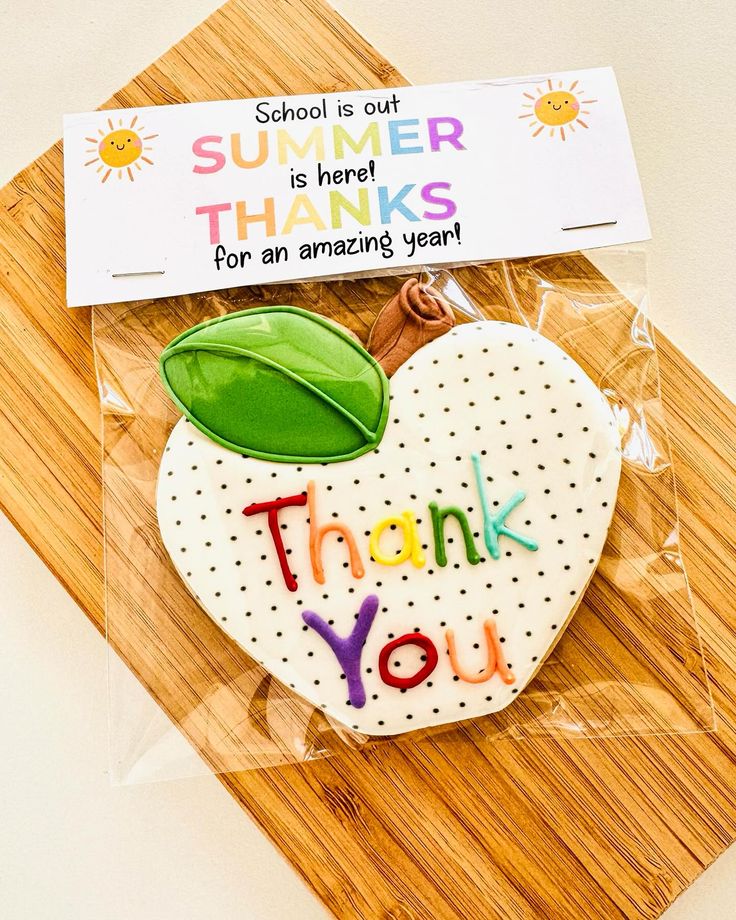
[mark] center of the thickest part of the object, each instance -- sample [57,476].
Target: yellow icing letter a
[411,548]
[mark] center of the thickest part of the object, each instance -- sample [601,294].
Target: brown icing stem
[414,316]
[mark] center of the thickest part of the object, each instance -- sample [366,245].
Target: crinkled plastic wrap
[630,660]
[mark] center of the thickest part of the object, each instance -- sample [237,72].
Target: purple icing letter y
[348,650]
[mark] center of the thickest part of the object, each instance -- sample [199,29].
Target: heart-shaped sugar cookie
[424,580]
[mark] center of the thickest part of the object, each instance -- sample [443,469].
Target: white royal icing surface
[539,424]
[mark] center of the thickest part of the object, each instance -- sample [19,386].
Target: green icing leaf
[278,383]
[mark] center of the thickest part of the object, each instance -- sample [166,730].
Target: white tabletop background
[72,847]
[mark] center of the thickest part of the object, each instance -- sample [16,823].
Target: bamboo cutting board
[547,829]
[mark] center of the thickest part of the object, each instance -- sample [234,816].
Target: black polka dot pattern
[538,425]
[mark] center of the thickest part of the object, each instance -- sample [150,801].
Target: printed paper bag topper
[401,555]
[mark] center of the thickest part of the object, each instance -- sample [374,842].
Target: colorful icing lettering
[494,525]
[317,535]
[474,415]
[348,650]
[438,531]
[496,663]
[272,508]
[406,683]
[411,548]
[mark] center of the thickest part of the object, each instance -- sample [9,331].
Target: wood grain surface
[541,828]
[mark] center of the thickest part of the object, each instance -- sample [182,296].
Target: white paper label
[175,199]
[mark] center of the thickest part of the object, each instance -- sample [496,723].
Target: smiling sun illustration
[556,107]
[120,148]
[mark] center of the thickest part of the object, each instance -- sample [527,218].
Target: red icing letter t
[273,525]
